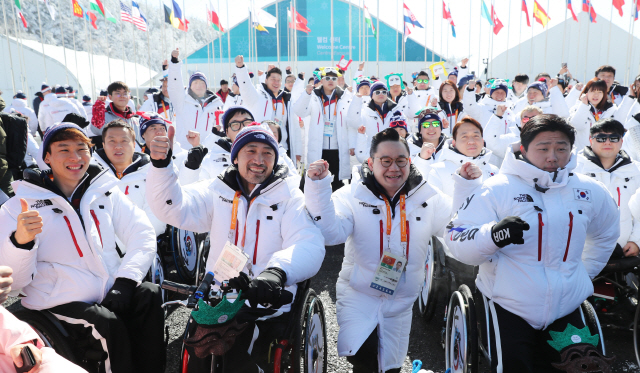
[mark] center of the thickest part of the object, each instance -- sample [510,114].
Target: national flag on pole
[618,5]
[573,14]
[539,14]
[407,30]
[77,9]
[125,12]
[497,25]
[138,18]
[96,6]
[213,19]
[446,14]
[52,10]
[635,17]
[89,16]
[178,21]
[526,12]
[367,17]
[409,17]
[109,17]
[485,14]
[19,11]
[300,23]
[588,7]
[261,19]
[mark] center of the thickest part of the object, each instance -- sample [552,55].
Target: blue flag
[485,14]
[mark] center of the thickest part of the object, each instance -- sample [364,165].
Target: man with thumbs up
[60,234]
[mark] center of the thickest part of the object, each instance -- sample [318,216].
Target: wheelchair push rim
[315,350]
[184,246]
[427,297]
[461,350]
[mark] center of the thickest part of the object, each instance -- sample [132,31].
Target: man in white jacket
[60,239]
[540,233]
[262,212]
[58,108]
[605,161]
[387,216]
[20,105]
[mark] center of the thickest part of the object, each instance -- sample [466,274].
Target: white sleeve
[558,104]
[301,107]
[572,98]
[329,212]
[248,91]
[602,234]
[496,138]
[362,143]
[175,87]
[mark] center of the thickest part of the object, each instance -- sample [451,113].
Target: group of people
[533,182]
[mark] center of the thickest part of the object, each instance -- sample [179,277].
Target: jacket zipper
[195,125]
[381,239]
[408,239]
[73,236]
[95,219]
[618,196]
[540,225]
[566,252]
[255,249]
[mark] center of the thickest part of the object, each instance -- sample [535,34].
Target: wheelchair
[302,346]
[180,254]
[615,297]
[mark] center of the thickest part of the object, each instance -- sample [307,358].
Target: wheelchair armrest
[620,265]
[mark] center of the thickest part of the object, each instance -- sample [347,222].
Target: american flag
[133,16]
[125,13]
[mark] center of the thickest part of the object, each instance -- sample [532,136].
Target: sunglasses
[419,81]
[603,138]
[387,161]
[330,78]
[398,123]
[380,92]
[434,124]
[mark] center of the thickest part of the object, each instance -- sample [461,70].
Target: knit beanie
[541,86]
[254,133]
[52,131]
[150,119]
[198,75]
[376,87]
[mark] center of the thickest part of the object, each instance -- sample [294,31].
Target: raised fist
[239,61]
[509,230]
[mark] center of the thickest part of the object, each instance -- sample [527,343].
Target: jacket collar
[387,106]
[139,161]
[126,114]
[622,159]
[515,164]
[449,153]
[337,93]
[416,139]
[230,178]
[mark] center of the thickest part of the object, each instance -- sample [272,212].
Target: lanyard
[234,218]
[403,224]
[164,110]
[274,104]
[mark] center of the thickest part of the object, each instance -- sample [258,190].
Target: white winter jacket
[277,229]
[583,116]
[357,216]
[554,104]
[310,105]
[22,107]
[623,181]
[574,225]
[449,161]
[43,109]
[483,109]
[190,114]
[73,259]
[58,108]
[498,135]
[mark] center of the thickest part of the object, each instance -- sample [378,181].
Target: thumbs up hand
[29,224]
[160,145]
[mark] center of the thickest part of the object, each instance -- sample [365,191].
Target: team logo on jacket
[41,203]
[366,204]
[523,198]
[582,194]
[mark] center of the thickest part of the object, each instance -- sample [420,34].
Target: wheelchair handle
[205,286]
[178,288]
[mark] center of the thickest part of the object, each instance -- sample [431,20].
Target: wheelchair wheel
[184,247]
[461,343]
[591,320]
[204,245]
[636,334]
[50,334]
[309,348]
[427,298]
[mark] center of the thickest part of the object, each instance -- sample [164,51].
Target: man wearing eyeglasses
[117,109]
[327,131]
[605,161]
[387,216]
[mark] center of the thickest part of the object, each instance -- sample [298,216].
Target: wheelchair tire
[204,245]
[186,274]
[309,349]
[48,332]
[461,341]
[428,296]
[591,321]
[636,334]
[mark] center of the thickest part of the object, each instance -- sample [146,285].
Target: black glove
[264,289]
[509,231]
[195,157]
[118,299]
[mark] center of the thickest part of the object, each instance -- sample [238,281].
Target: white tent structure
[586,47]
[29,77]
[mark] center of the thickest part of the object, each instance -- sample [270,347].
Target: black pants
[238,359]
[333,157]
[366,359]
[134,341]
[522,348]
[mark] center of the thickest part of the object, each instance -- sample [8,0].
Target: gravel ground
[424,342]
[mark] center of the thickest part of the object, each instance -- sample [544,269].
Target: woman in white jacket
[449,102]
[466,145]
[387,216]
[540,233]
[592,106]
[483,109]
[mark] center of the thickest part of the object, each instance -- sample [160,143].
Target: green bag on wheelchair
[216,327]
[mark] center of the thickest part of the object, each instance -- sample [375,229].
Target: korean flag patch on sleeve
[582,194]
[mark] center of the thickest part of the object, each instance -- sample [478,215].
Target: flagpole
[219,35]
[491,42]
[249,21]
[44,59]
[469,44]
[332,33]
[564,33]
[90,52]
[108,52]
[288,36]
[479,40]
[609,44]
[350,51]
[442,35]
[397,28]
[75,50]
[124,56]
[163,27]
[278,32]
[64,49]
[587,46]
[546,40]
[6,35]
[433,31]
[531,52]
[228,41]
[508,35]
[209,45]
[520,35]
[184,22]
[135,59]
[377,38]
[148,46]
[15,27]
[24,68]
[425,31]
[629,38]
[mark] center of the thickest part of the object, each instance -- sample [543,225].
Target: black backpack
[17,130]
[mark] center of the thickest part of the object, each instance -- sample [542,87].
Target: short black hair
[312,79]
[546,123]
[274,70]
[522,78]
[606,69]
[543,75]
[608,125]
[331,73]
[116,86]
[388,134]
[422,73]
[223,82]
[479,83]
[227,118]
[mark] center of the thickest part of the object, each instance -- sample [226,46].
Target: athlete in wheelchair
[539,233]
[258,225]
[60,239]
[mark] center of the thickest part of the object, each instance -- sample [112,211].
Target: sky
[473,32]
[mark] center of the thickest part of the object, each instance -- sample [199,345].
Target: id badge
[328,127]
[388,273]
[231,261]
[279,121]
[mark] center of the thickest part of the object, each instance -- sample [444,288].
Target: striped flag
[125,13]
[367,17]
[138,18]
[52,10]
[526,12]
[409,17]
[573,14]
[19,11]
[539,14]
[212,16]
[446,14]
